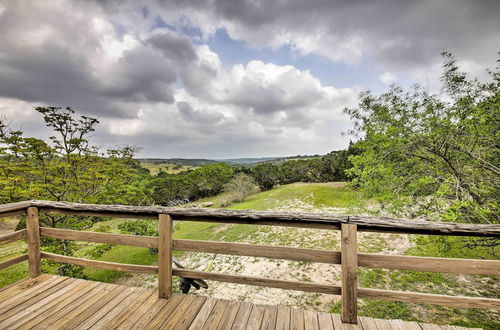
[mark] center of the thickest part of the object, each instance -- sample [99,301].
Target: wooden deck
[56,302]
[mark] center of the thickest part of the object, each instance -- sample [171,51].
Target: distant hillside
[230,161]
[178,161]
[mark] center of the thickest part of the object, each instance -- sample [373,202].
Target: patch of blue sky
[330,73]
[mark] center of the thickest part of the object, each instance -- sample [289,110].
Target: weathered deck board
[55,302]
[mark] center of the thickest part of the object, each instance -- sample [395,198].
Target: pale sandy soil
[282,269]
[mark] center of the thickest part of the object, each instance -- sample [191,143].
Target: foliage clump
[432,154]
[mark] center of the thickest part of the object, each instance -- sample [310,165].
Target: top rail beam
[295,219]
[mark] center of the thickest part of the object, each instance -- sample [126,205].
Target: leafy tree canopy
[428,150]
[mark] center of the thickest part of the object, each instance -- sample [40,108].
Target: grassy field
[166,167]
[333,196]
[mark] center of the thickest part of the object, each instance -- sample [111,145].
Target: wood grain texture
[258,281]
[100,264]
[15,207]
[119,239]
[349,250]
[427,298]
[203,314]
[12,237]
[229,315]
[429,264]
[165,256]
[13,261]
[252,250]
[242,316]
[55,302]
[137,314]
[184,319]
[33,235]
[308,220]
[283,318]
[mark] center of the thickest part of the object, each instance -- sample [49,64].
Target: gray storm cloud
[153,84]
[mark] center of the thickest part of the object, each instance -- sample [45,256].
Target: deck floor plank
[270,315]
[137,314]
[173,302]
[203,314]
[367,323]
[104,309]
[229,316]
[256,317]
[176,312]
[297,319]
[311,320]
[122,305]
[184,320]
[283,318]
[20,295]
[56,302]
[150,314]
[14,307]
[325,321]
[128,310]
[215,315]
[67,310]
[83,311]
[241,319]
[37,315]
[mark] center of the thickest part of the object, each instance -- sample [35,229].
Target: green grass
[318,195]
[121,254]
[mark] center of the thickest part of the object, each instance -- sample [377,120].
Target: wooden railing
[348,257]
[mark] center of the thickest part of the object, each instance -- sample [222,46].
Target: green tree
[67,168]
[266,175]
[241,185]
[431,150]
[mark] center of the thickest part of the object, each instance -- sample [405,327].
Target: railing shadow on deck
[348,257]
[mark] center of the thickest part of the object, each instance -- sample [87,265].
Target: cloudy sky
[228,78]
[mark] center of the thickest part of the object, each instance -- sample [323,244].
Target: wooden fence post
[349,259]
[165,256]
[33,235]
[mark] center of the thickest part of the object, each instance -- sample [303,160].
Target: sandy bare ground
[282,269]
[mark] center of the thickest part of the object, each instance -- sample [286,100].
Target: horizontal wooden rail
[13,261]
[100,264]
[264,251]
[75,235]
[430,264]
[258,281]
[12,237]
[295,219]
[15,207]
[12,213]
[427,298]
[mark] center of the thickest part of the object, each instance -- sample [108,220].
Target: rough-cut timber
[14,207]
[296,219]
[258,281]
[349,262]
[427,298]
[119,239]
[165,256]
[12,237]
[13,261]
[430,264]
[100,264]
[252,250]
[33,234]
